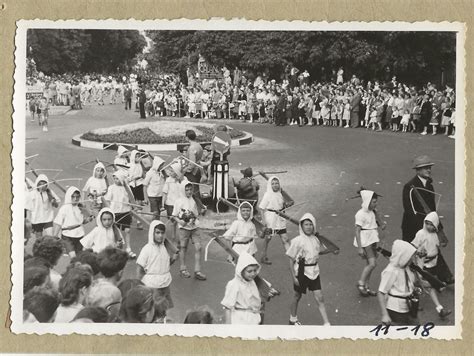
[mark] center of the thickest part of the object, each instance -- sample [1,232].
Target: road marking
[333,214]
[399,182]
[356,183]
[376,183]
[386,216]
[440,182]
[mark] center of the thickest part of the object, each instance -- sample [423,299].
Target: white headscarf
[367,196]
[151,230]
[239,214]
[269,186]
[402,252]
[98,165]
[433,218]
[309,217]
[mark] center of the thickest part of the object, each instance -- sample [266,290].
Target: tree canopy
[412,56]
[66,50]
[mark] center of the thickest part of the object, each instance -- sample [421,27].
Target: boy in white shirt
[154,182]
[40,206]
[366,238]
[153,264]
[185,214]
[242,232]
[304,254]
[70,220]
[275,224]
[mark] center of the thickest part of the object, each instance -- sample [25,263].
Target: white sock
[293,319]
[439,308]
[327,324]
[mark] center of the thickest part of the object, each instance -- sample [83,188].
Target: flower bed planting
[158,132]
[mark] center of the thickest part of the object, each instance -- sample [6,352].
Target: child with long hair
[73,288]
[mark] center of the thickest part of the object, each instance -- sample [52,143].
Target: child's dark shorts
[42,226]
[138,192]
[402,318]
[310,284]
[123,220]
[72,243]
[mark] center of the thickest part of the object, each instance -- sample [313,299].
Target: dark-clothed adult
[413,211]
[128,97]
[141,103]
[280,111]
[355,103]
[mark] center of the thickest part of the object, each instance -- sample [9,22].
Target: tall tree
[57,51]
[60,50]
[413,56]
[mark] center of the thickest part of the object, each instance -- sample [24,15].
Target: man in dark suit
[128,97]
[414,213]
[355,103]
[280,110]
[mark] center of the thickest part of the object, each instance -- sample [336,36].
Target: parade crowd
[293,100]
[143,191]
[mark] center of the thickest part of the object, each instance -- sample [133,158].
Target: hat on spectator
[422,161]
[247,172]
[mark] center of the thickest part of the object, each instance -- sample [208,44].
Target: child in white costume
[153,263]
[70,220]
[104,234]
[427,243]
[273,200]
[366,238]
[304,253]
[242,299]
[96,186]
[40,206]
[242,232]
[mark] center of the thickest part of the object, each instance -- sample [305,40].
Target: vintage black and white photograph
[263,179]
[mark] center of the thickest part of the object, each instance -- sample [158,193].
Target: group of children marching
[170,195]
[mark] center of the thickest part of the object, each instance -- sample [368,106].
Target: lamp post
[220,144]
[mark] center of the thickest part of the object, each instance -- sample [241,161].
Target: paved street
[325,166]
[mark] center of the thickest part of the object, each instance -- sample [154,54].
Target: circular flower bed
[158,132]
